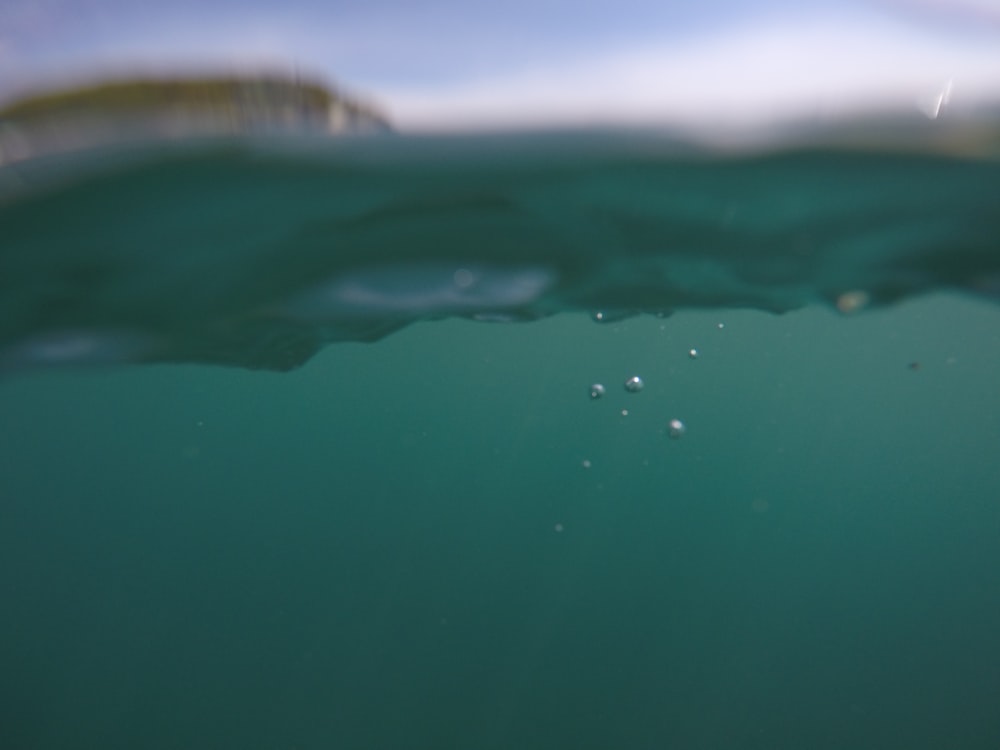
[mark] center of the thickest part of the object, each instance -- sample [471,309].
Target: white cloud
[958,9]
[737,78]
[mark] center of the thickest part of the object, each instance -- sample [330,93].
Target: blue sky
[475,63]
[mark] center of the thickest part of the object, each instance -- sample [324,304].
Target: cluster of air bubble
[634,384]
[674,428]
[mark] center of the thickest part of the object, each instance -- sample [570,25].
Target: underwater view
[337,422]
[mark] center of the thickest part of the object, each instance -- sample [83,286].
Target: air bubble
[634,384]
[676,429]
[596,391]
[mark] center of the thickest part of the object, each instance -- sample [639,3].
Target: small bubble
[624,412]
[596,391]
[721,326]
[693,354]
[676,429]
[851,302]
[464,278]
[611,316]
[634,384]
[586,463]
[559,528]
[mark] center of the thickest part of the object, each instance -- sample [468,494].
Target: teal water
[395,518]
[258,253]
[398,545]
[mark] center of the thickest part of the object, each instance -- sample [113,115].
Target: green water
[399,545]
[258,253]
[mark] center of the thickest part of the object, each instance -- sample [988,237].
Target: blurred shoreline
[130,110]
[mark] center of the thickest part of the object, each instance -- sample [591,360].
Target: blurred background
[456,64]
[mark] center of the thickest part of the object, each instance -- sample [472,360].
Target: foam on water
[257,252]
[421,289]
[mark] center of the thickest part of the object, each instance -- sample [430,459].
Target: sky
[445,64]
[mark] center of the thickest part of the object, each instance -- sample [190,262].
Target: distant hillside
[152,108]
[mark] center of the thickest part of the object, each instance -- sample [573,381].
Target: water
[258,252]
[437,538]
